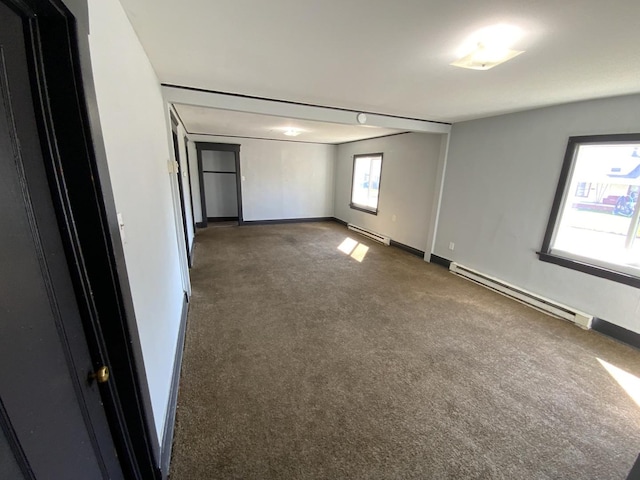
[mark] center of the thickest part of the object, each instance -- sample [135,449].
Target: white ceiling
[393,57]
[211,121]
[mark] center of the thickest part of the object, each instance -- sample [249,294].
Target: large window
[365,186]
[594,223]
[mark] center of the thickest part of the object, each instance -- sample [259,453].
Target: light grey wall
[407,186]
[501,178]
[132,113]
[283,180]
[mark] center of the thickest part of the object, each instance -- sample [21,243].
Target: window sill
[363,209]
[591,269]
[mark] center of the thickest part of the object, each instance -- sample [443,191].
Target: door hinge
[173,166]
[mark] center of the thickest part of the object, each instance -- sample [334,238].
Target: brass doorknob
[101,375]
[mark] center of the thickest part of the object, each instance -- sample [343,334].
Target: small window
[365,187]
[595,220]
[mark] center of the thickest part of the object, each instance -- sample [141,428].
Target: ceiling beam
[240,103]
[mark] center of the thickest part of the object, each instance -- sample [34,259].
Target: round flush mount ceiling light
[362,118]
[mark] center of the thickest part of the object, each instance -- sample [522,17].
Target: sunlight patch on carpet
[355,250]
[630,383]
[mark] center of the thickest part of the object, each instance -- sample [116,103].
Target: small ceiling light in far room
[292,132]
[489,47]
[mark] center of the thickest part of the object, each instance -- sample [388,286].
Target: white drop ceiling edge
[216,114]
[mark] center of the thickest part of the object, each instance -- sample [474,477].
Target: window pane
[596,220]
[366,181]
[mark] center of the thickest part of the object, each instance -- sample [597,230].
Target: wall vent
[368,233]
[533,300]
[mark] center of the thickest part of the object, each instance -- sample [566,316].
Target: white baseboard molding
[170,419]
[545,305]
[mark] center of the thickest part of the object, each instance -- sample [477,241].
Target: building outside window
[365,186]
[594,225]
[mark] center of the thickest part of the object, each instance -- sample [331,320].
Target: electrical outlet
[393,218]
[452,245]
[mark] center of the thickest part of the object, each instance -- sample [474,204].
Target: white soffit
[210,121]
[392,57]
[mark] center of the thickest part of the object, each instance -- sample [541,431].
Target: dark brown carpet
[302,363]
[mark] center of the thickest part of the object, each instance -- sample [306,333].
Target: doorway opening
[221,183]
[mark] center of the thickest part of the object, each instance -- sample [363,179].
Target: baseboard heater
[368,233]
[533,300]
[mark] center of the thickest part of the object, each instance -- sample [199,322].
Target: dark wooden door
[186,158]
[176,151]
[53,423]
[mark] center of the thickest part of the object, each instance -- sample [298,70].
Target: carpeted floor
[303,363]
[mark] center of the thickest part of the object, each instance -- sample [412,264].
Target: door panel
[176,152]
[186,159]
[54,411]
[9,467]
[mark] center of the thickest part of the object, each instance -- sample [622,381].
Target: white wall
[501,178]
[407,186]
[283,180]
[132,114]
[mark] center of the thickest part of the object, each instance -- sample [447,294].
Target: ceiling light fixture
[484,58]
[489,47]
[292,132]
